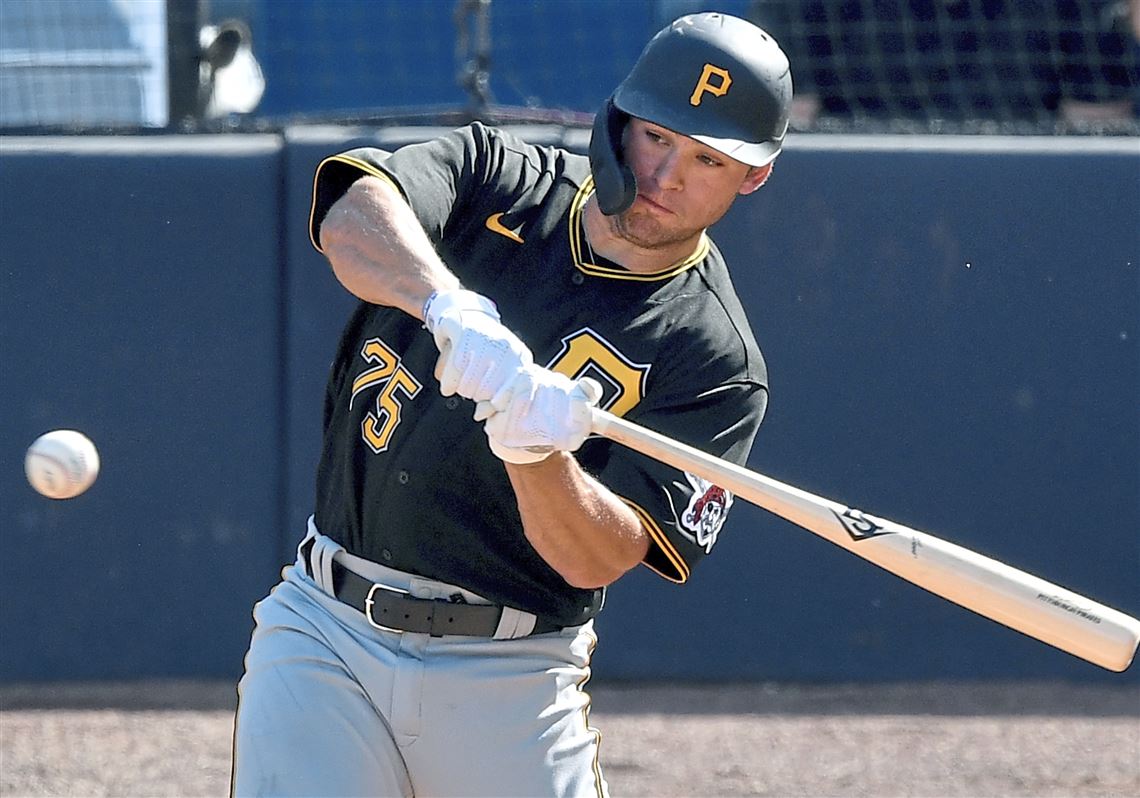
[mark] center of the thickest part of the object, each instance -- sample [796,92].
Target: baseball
[61,464]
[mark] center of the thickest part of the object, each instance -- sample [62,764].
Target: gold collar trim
[579,253]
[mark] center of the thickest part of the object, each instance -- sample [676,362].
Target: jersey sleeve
[436,177]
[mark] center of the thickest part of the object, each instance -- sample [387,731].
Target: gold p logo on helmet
[705,84]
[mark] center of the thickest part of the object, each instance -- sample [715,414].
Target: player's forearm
[379,251]
[582,530]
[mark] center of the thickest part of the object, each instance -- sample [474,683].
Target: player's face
[683,186]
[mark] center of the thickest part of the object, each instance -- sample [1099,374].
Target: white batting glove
[537,413]
[478,355]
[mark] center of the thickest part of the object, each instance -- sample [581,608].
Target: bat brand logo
[1068,606]
[705,84]
[859,525]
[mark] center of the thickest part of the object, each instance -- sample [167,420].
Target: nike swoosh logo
[495,225]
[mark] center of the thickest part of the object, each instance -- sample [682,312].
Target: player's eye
[708,160]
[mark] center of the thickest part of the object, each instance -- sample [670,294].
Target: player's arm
[575,523]
[582,529]
[378,249]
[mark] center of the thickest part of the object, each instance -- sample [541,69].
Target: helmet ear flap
[615,185]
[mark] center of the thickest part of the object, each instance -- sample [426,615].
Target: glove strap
[458,300]
[427,304]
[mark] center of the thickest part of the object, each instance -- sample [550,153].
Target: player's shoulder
[714,273]
[717,275]
[522,157]
[708,281]
[710,321]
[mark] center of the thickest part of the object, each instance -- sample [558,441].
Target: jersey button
[577,278]
[451,403]
[387,555]
[403,477]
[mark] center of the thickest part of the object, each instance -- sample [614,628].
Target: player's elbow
[591,578]
[341,226]
[332,230]
[364,209]
[599,572]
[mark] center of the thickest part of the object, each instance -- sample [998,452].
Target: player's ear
[756,177]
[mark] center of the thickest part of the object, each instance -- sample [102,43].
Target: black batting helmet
[713,77]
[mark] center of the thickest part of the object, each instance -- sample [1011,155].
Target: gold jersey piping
[577,235]
[680,573]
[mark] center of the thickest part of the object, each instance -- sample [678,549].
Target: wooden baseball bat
[1019,600]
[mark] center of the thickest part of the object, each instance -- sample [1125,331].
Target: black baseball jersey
[406,477]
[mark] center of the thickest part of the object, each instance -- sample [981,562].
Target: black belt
[396,610]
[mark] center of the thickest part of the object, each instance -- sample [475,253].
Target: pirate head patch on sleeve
[705,514]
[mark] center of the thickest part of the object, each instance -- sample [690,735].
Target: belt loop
[305,547]
[514,623]
[320,558]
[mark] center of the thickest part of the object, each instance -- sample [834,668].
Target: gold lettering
[374,351]
[376,429]
[704,84]
[587,354]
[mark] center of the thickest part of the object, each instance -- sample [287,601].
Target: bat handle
[600,421]
[661,447]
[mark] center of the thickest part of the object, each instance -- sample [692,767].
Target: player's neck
[606,241]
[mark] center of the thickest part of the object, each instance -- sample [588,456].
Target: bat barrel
[1021,601]
[1026,603]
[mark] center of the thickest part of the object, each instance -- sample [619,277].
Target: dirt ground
[173,739]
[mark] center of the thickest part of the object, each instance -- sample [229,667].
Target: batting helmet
[713,77]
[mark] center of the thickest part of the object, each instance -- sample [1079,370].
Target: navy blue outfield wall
[140,303]
[951,327]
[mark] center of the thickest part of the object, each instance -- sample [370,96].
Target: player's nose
[667,174]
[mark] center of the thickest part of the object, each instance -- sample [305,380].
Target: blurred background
[942,273]
[1005,66]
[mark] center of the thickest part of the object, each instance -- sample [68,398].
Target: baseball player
[434,636]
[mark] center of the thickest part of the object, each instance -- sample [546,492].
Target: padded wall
[139,302]
[951,327]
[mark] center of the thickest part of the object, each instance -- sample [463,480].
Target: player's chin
[647,232]
[637,224]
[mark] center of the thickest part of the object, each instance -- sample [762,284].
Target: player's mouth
[656,206]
